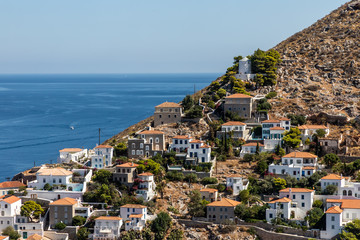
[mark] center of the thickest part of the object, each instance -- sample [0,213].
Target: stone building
[241,104]
[62,210]
[148,144]
[167,112]
[330,145]
[222,210]
[125,173]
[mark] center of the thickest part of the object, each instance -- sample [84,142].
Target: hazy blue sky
[145,36]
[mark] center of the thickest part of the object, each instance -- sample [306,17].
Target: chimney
[290,194]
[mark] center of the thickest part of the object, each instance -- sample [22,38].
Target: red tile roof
[135,216]
[133,206]
[71,150]
[281,200]
[308,168]
[253,144]
[205,146]
[182,137]
[169,104]
[234,123]
[332,176]
[334,209]
[11,199]
[208,190]
[295,190]
[128,165]
[224,202]
[346,203]
[303,127]
[109,218]
[103,146]
[65,201]
[146,174]
[300,155]
[196,141]
[148,132]
[12,184]
[271,121]
[239,95]
[284,119]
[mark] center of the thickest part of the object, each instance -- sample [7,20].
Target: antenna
[99,135]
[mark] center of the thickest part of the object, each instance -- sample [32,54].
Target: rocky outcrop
[320,68]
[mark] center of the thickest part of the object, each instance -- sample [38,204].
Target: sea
[43,113]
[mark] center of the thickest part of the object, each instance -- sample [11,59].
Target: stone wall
[348,159]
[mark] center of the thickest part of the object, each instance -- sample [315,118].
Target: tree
[82,234]
[279,151]
[330,190]
[221,92]
[320,133]
[161,225]
[209,180]
[317,204]
[292,138]
[331,159]
[120,149]
[78,221]
[102,176]
[351,230]
[244,195]
[149,165]
[160,187]
[187,102]
[313,216]
[261,167]
[192,178]
[176,234]
[263,104]
[31,210]
[264,64]
[196,206]
[279,183]
[297,119]
[47,187]
[60,226]
[257,151]
[9,231]
[195,112]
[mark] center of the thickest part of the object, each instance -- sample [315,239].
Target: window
[220,209]
[6,205]
[204,151]
[147,148]
[141,145]
[157,140]
[332,218]
[169,116]
[44,180]
[302,204]
[159,116]
[133,152]
[133,145]
[294,196]
[332,226]
[181,142]
[60,180]
[302,197]
[176,141]
[270,215]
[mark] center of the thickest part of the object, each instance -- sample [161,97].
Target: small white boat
[72,127]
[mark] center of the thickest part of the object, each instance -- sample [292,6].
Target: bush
[209,180]
[47,187]
[9,231]
[175,234]
[187,102]
[195,112]
[161,224]
[331,159]
[175,176]
[330,190]
[271,95]
[317,204]
[82,234]
[60,226]
[221,92]
[192,177]
[78,221]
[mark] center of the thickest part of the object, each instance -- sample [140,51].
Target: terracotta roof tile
[128,165]
[169,104]
[281,200]
[295,190]
[234,123]
[205,146]
[103,146]
[65,201]
[224,202]
[253,144]
[300,155]
[151,132]
[146,174]
[332,176]
[277,128]
[271,121]
[3,237]
[182,137]
[109,218]
[308,168]
[334,209]
[133,206]
[284,119]
[35,237]
[54,172]
[12,184]
[239,95]
[135,216]
[346,203]
[303,127]
[11,199]
[208,190]
[196,141]
[71,150]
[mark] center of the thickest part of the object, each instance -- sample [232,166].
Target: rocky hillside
[320,69]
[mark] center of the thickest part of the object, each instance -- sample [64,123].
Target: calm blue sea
[37,111]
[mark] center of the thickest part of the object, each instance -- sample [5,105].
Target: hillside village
[236,160]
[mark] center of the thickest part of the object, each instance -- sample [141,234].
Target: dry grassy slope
[321,67]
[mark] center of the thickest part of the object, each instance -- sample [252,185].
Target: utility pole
[194,90]
[99,136]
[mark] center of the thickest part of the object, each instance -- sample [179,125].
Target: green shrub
[192,177]
[60,226]
[209,180]
[271,95]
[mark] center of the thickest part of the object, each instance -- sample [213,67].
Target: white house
[9,208]
[245,70]
[345,187]
[266,125]
[237,183]
[102,157]
[237,129]
[146,187]
[296,164]
[72,154]
[134,216]
[279,208]
[180,143]
[199,150]
[250,148]
[274,139]
[301,198]
[339,213]
[52,176]
[307,131]
[107,228]
[5,187]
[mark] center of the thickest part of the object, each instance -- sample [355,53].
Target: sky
[143,36]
